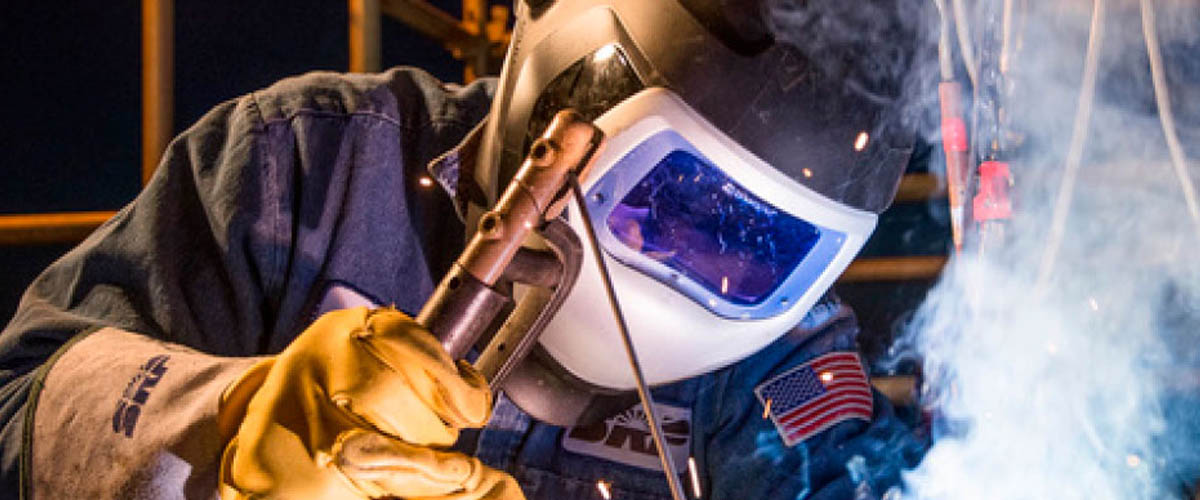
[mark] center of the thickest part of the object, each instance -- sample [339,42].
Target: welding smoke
[874,48]
[1062,362]
[1061,359]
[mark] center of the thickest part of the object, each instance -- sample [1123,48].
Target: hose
[1163,100]
[945,62]
[1083,114]
[963,29]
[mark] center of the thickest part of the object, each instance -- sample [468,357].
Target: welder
[243,327]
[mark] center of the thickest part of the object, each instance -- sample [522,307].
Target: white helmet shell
[674,336]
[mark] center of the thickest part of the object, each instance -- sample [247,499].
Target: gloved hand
[357,407]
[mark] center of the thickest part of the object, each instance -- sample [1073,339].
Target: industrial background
[95,90]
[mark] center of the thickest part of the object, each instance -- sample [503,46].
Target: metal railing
[73,227]
[49,228]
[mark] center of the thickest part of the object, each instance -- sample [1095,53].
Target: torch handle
[465,303]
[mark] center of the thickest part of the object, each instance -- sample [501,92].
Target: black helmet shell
[770,97]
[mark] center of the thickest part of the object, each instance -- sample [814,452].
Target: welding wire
[945,63]
[627,341]
[1163,100]
[964,40]
[1083,115]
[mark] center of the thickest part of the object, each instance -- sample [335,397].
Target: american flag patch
[816,395]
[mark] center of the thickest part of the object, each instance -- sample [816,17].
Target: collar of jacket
[454,171]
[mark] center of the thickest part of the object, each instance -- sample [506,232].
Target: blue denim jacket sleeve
[175,264]
[742,456]
[249,212]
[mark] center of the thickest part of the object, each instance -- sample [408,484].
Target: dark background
[70,136]
[70,132]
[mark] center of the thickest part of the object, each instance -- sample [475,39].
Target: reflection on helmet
[691,217]
[591,86]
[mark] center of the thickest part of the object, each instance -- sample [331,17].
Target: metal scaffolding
[158,82]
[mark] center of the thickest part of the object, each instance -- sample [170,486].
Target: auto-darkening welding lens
[688,215]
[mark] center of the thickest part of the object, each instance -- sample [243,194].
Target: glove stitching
[328,459]
[345,406]
[440,392]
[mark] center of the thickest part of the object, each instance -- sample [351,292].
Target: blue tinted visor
[688,224]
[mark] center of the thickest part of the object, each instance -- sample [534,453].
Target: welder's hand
[357,407]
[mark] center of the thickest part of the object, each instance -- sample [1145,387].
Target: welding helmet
[738,181]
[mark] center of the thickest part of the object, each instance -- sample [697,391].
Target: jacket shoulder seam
[333,114]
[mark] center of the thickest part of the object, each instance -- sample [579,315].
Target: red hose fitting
[956,145]
[992,201]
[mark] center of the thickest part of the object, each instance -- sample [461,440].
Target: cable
[642,390]
[1163,100]
[945,63]
[964,41]
[1083,114]
[1006,36]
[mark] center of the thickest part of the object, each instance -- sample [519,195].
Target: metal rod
[627,341]
[474,20]
[433,23]
[364,28]
[72,227]
[49,228]
[158,28]
[916,188]
[877,269]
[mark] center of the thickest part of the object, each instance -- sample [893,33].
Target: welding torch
[471,296]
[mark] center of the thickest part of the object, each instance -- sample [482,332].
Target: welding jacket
[304,197]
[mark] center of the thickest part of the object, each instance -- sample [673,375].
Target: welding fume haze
[1066,365]
[1062,361]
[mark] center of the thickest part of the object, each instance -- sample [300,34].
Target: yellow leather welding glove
[358,406]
